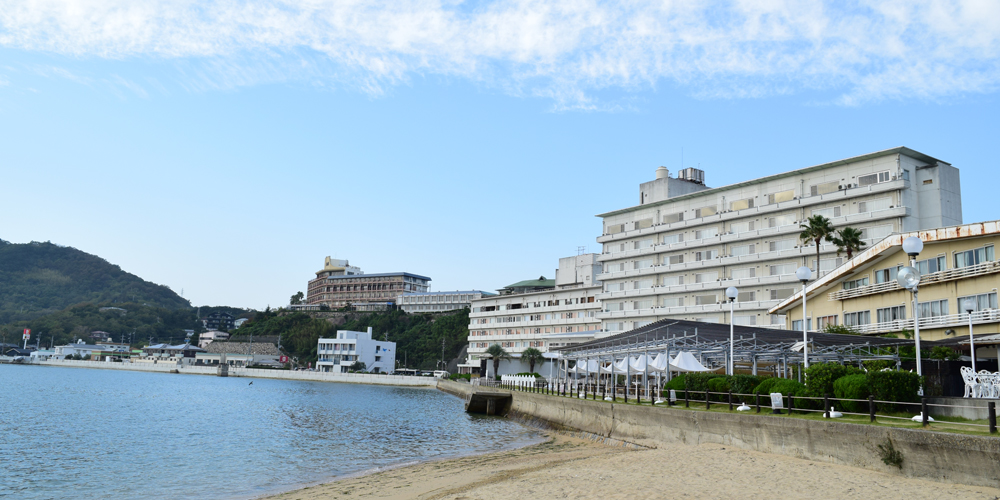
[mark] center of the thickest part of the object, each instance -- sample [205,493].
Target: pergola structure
[754,348]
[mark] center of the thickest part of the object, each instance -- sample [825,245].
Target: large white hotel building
[674,254]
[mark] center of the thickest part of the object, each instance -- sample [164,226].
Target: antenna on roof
[580,250]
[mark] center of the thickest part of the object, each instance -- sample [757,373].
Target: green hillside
[37,279]
[121,320]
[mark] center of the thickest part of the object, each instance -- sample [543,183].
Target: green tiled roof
[533,284]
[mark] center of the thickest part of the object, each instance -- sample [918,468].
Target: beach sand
[568,467]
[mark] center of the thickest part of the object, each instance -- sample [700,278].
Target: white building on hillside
[674,254]
[339,354]
[439,301]
[537,313]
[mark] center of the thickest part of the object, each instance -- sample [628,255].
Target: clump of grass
[890,455]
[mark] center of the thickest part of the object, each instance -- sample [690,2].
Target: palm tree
[498,353]
[848,240]
[816,229]
[532,356]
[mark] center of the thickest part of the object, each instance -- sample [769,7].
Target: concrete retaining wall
[350,378]
[979,412]
[957,458]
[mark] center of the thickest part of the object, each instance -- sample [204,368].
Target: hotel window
[876,232]
[857,318]
[741,204]
[934,265]
[643,264]
[706,255]
[888,314]
[746,296]
[781,220]
[934,308]
[974,256]
[886,275]
[874,205]
[739,274]
[706,233]
[826,187]
[876,178]
[677,217]
[778,319]
[701,300]
[642,304]
[673,302]
[779,245]
[781,196]
[641,284]
[706,277]
[644,223]
[673,238]
[829,213]
[673,259]
[705,211]
[825,321]
[797,325]
[781,269]
[615,228]
[781,293]
[646,243]
[673,280]
[613,306]
[614,287]
[852,284]
[741,250]
[748,320]
[827,265]
[741,227]
[983,301]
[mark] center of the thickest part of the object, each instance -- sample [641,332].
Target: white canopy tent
[686,362]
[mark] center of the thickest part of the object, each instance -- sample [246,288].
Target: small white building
[208,337]
[339,354]
[439,301]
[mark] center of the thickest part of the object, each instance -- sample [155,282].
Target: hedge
[895,385]
[851,387]
[820,377]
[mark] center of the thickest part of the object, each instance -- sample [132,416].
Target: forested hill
[42,278]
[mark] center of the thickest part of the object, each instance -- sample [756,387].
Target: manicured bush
[699,381]
[789,387]
[719,384]
[460,376]
[744,384]
[766,386]
[820,377]
[677,384]
[851,387]
[531,374]
[895,386]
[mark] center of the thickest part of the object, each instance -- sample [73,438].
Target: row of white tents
[644,363]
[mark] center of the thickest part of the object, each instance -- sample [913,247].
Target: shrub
[719,384]
[875,365]
[460,376]
[767,385]
[677,384]
[894,386]
[789,387]
[851,387]
[698,381]
[744,384]
[820,377]
[531,374]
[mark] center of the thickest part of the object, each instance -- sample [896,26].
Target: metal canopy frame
[753,347]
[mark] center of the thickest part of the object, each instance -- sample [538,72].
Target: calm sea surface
[88,433]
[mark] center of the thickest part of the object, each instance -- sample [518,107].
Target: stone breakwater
[347,378]
[955,458]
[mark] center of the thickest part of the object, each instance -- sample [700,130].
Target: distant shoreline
[310,376]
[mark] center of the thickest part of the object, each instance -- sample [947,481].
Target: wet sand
[568,467]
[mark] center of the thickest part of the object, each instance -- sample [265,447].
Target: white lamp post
[970,307]
[803,274]
[909,278]
[731,294]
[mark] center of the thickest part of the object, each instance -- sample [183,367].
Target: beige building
[553,313]
[340,284]
[956,263]
[674,254]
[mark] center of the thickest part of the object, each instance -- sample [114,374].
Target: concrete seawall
[973,460]
[346,378]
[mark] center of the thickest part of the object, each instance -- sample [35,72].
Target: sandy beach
[568,467]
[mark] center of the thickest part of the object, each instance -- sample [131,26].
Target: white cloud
[561,49]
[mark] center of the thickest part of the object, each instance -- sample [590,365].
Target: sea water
[91,433]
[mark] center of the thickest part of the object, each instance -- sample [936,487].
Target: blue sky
[225,148]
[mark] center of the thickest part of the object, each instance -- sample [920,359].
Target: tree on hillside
[498,354]
[297,298]
[532,356]
[816,229]
[848,240]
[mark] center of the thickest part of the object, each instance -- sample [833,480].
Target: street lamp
[909,278]
[970,307]
[731,294]
[803,274]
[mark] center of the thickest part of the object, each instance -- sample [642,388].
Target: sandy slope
[566,467]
